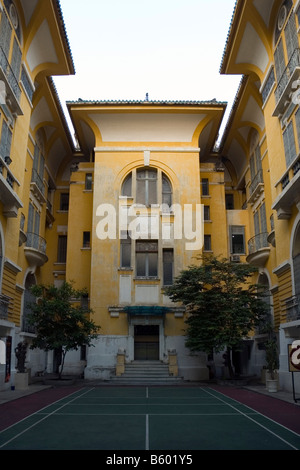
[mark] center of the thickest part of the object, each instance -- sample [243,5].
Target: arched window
[127,186]
[147,187]
[166,191]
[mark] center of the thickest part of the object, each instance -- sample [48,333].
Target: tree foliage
[222,304]
[59,319]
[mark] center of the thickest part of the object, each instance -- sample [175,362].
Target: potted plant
[272,365]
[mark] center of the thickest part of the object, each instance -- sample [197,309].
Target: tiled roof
[64,33]
[234,15]
[149,102]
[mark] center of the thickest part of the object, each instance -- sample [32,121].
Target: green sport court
[148,418]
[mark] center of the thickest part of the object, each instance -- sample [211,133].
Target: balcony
[13,90]
[256,187]
[35,250]
[37,187]
[259,250]
[292,308]
[8,196]
[49,214]
[285,85]
[290,194]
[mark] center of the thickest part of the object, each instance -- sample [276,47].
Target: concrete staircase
[146,372]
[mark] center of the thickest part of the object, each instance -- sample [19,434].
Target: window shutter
[289,144]
[36,158]
[30,219]
[279,61]
[291,36]
[263,218]
[258,159]
[16,60]
[252,168]
[256,223]
[3,141]
[5,36]
[37,223]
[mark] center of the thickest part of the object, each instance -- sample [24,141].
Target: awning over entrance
[154,311]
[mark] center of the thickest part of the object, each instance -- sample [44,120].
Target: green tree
[59,319]
[222,304]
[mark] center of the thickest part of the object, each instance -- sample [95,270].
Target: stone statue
[20,352]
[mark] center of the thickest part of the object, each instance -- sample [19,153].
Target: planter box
[21,380]
[272,385]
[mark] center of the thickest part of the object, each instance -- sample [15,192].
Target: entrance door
[146,342]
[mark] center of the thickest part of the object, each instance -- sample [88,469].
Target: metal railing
[256,243]
[9,74]
[258,179]
[292,308]
[287,74]
[36,242]
[35,178]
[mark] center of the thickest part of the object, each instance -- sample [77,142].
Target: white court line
[147,433]
[252,419]
[40,420]
[146,403]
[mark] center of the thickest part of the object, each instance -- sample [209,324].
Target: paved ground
[37,386]
[17,405]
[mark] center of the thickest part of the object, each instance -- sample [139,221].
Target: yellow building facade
[145,190]
[34,142]
[261,144]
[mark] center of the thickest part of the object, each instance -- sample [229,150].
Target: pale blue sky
[171,49]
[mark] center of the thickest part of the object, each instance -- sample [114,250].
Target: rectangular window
[168,262]
[64,202]
[88,182]
[146,258]
[206,213]
[84,302]
[62,249]
[237,239]
[125,250]
[207,243]
[229,202]
[86,239]
[205,187]
[289,144]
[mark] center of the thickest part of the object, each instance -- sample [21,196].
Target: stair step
[146,372]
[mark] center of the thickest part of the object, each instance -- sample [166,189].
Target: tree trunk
[63,355]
